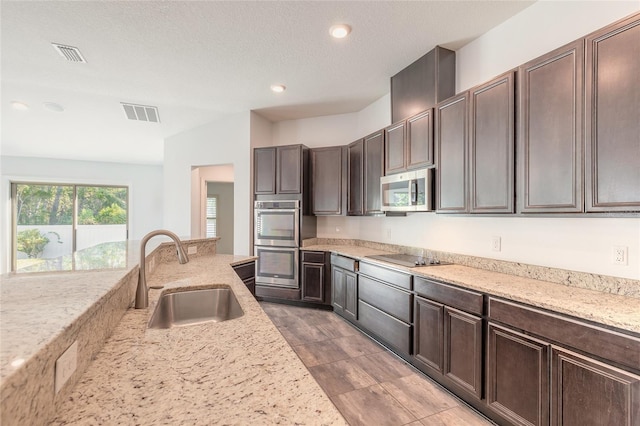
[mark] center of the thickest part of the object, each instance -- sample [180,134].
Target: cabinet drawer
[313,256]
[344,262]
[607,344]
[465,300]
[391,300]
[392,331]
[387,275]
[246,270]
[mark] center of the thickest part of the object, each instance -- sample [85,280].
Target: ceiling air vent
[141,112]
[70,53]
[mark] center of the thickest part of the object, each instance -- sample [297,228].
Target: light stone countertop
[240,371]
[613,310]
[35,308]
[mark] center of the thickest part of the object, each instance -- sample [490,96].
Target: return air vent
[70,53]
[141,112]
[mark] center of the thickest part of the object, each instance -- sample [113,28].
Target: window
[212,213]
[52,223]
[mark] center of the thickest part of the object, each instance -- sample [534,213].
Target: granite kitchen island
[239,371]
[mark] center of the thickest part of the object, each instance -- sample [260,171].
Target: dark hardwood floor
[366,382]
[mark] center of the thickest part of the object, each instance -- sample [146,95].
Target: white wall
[222,142]
[375,116]
[581,243]
[144,182]
[329,130]
[261,131]
[540,28]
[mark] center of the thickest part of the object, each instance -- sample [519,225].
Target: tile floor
[368,384]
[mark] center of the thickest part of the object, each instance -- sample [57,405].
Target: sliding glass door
[51,222]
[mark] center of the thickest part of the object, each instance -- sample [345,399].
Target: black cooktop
[408,260]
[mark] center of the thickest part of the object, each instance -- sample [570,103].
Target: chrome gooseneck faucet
[142,292]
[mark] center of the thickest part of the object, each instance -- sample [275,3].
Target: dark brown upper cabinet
[550,137]
[329,181]
[394,151]
[424,83]
[289,169]
[491,145]
[355,155]
[419,140]
[278,170]
[409,143]
[451,153]
[264,166]
[613,117]
[366,167]
[373,171]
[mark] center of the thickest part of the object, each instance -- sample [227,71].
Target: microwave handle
[414,192]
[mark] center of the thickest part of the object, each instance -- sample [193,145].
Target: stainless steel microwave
[407,192]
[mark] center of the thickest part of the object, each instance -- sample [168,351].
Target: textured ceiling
[197,61]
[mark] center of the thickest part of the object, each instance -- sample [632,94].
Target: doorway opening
[212,205]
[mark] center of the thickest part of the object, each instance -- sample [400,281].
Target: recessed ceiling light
[340,30]
[52,106]
[278,88]
[20,106]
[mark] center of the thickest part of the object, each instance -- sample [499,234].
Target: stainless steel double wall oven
[277,242]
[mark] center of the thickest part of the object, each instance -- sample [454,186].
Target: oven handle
[277,210]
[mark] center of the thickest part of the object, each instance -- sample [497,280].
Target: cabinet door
[356,177]
[264,170]
[313,282]
[289,167]
[351,295]
[251,285]
[550,136]
[328,181]
[428,335]
[394,151]
[338,290]
[518,376]
[612,117]
[491,146]
[451,155]
[587,392]
[420,140]
[373,171]
[463,350]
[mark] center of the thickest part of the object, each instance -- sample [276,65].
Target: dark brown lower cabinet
[428,335]
[344,293]
[588,392]
[518,376]
[390,330]
[247,273]
[463,350]
[313,277]
[448,342]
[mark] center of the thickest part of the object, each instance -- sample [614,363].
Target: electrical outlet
[619,255]
[192,249]
[66,365]
[496,243]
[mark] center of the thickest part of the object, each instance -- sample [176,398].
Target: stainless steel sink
[191,307]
